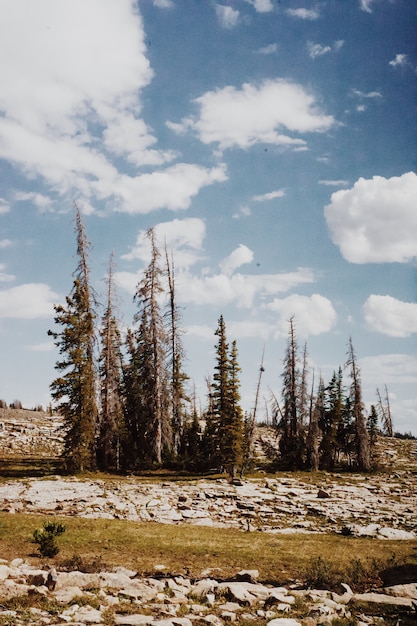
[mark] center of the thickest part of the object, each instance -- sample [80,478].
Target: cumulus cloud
[334,183]
[4,206]
[390,316]
[70,108]
[279,193]
[304,14]
[28,301]
[172,188]
[42,202]
[240,256]
[364,94]
[184,238]
[376,220]
[261,6]
[272,48]
[400,60]
[365,5]
[255,114]
[314,314]
[5,278]
[163,4]
[5,243]
[317,50]
[389,368]
[227,16]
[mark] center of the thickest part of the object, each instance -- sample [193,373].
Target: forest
[126,403]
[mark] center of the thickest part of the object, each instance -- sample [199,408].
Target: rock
[133,620]
[66,595]
[402,591]
[380,598]
[51,579]
[284,621]
[396,533]
[88,615]
[203,587]
[323,494]
[248,575]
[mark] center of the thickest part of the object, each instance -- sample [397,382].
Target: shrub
[321,574]
[46,538]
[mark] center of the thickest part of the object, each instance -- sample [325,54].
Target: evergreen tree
[111,427]
[313,436]
[372,427]
[226,419]
[146,380]
[292,445]
[363,456]
[177,376]
[331,420]
[75,389]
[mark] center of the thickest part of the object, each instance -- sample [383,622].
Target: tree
[292,445]
[330,421]
[226,419]
[146,374]
[384,410]
[363,456]
[372,427]
[110,430]
[75,389]
[177,375]
[317,411]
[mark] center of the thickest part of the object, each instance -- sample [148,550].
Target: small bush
[321,574]
[46,538]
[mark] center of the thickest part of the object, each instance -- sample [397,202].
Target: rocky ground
[382,505]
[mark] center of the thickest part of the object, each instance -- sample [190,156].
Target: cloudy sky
[271,143]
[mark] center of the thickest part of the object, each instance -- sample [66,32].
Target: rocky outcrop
[371,506]
[122,598]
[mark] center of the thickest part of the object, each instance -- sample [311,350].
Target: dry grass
[191,549]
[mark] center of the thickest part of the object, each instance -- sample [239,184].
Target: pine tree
[372,427]
[226,419]
[111,427]
[177,375]
[331,420]
[75,389]
[292,445]
[363,456]
[146,373]
[313,436]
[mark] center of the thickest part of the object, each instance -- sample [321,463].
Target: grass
[189,550]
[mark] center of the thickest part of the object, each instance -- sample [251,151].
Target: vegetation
[143,416]
[46,536]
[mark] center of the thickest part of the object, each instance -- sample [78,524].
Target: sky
[270,143]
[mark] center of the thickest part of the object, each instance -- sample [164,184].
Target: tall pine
[75,389]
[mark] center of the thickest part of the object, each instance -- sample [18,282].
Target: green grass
[187,549]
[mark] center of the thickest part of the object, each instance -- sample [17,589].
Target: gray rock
[380,598]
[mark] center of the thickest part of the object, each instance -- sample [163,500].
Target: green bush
[46,536]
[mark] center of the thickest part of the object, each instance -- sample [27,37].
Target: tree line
[126,404]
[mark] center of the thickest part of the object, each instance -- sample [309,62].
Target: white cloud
[317,50]
[5,278]
[5,243]
[313,315]
[184,238]
[255,114]
[4,206]
[400,60]
[261,6]
[272,48]
[227,16]
[389,369]
[163,4]
[279,193]
[304,14]
[172,188]
[70,104]
[28,301]
[38,199]
[365,5]
[369,94]
[390,316]
[240,256]
[376,220]
[334,183]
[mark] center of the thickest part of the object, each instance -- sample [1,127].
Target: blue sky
[272,145]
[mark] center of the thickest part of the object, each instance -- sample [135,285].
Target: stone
[133,620]
[51,579]
[403,591]
[88,615]
[284,621]
[66,595]
[380,598]
[323,494]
